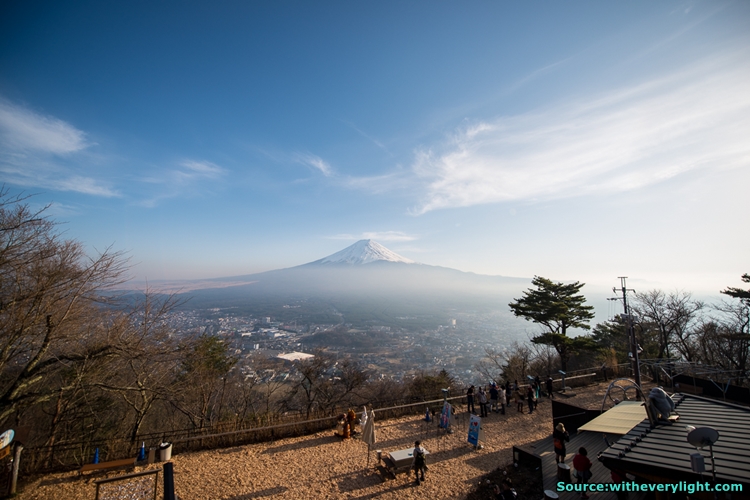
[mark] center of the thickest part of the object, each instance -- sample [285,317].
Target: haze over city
[576,141]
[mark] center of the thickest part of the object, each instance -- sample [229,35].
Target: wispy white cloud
[193,169]
[183,179]
[49,177]
[315,162]
[24,130]
[376,235]
[85,185]
[35,149]
[622,140]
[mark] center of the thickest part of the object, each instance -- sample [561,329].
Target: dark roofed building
[662,454]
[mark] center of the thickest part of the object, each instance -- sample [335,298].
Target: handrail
[418,403]
[303,422]
[251,429]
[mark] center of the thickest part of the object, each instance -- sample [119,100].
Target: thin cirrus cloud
[35,149]
[179,181]
[24,130]
[194,169]
[377,236]
[316,162]
[626,139]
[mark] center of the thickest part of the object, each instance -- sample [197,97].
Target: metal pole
[14,475]
[631,333]
[713,468]
[169,481]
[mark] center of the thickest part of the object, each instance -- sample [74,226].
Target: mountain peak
[363,252]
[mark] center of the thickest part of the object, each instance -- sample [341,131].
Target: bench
[113,464]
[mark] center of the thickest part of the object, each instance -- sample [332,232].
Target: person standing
[549,388]
[482,402]
[519,401]
[530,398]
[582,465]
[419,460]
[559,437]
[502,399]
[470,400]
[493,397]
[508,393]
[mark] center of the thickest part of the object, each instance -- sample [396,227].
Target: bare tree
[50,314]
[675,317]
[143,374]
[492,365]
[725,339]
[271,380]
[513,363]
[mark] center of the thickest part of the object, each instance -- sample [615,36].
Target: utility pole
[631,330]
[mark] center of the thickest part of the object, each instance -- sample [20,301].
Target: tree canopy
[739,293]
[558,307]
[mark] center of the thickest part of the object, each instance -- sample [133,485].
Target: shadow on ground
[311,443]
[278,490]
[355,481]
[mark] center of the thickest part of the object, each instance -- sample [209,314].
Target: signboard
[446,416]
[475,423]
[6,438]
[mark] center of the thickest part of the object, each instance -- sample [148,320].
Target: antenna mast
[631,331]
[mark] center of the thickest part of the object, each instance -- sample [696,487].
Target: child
[419,462]
[582,466]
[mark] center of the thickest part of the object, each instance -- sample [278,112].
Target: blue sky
[573,140]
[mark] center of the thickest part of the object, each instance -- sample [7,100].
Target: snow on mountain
[363,252]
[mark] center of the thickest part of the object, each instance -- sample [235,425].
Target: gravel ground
[322,466]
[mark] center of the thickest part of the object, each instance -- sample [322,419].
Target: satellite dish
[703,436]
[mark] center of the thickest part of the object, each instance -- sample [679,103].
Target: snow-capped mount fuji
[364,284]
[363,252]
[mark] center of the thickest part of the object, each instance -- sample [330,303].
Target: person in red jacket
[582,465]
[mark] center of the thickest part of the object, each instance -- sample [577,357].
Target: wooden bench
[113,464]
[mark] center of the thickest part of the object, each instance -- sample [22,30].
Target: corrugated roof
[617,420]
[663,452]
